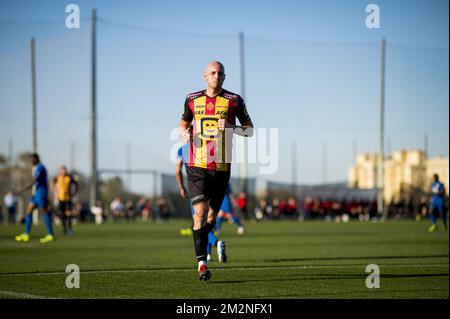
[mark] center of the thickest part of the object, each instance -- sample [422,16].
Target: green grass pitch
[271,260]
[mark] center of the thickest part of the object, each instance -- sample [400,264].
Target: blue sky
[312,71]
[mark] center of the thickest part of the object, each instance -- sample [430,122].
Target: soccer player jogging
[437,203]
[38,200]
[213,114]
[213,241]
[226,211]
[64,186]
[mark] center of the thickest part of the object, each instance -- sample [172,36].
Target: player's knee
[199,216]
[200,211]
[215,207]
[197,224]
[31,209]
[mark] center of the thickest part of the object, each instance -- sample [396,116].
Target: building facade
[406,173]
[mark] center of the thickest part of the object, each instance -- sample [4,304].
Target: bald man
[212,113]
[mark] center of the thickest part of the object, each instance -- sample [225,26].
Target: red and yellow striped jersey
[211,148]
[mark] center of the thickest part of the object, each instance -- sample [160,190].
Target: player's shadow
[325,277]
[354,258]
[354,293]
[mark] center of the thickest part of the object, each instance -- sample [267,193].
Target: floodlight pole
[72,156]
[380,170]
[94,175]
[33,93]
[243,165]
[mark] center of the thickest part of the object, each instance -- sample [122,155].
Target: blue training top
[40,186]
[183,154]
[436,188]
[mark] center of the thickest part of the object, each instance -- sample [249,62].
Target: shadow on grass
[355,258]
[356,294]
[328,277]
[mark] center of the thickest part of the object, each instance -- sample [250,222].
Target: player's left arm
[246,127]
[442,190]
[29,186]
[74,184]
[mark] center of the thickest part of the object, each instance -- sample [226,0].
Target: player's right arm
[441,190]
[185,123]
[74,185]
[37,174]
[184,130]
[29,186]
[179,178]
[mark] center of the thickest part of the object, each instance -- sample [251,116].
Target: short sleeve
[38,172]
[187,115]
[241,111]
[180,154]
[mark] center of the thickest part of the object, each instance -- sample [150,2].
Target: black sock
[200,243]
[210,226]
[204,235]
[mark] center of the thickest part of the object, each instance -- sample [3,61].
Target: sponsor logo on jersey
[194,95]
[209,128]
[230,96]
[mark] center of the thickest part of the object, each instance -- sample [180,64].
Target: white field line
[113,271]
[22,295]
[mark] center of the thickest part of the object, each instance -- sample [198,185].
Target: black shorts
[204,184]
[65,206]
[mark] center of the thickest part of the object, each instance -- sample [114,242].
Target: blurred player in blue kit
[437,204]
[226,212]
[38,200]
